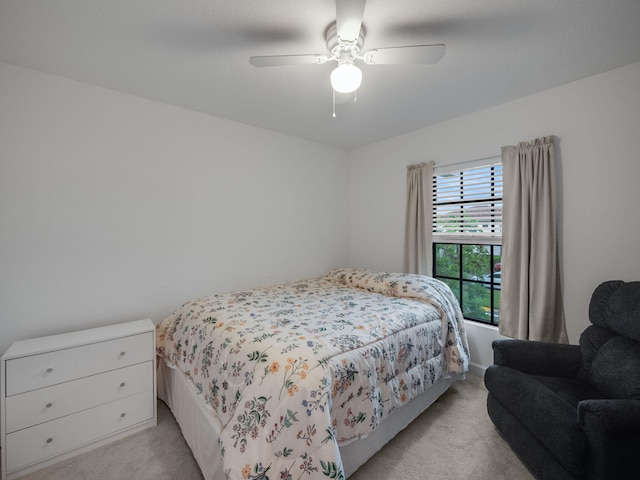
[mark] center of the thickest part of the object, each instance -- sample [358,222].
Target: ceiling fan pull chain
[355,96]
[334,102]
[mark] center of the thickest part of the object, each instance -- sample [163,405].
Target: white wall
[597,122]
[114,208]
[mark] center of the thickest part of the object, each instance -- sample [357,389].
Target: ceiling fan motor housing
[336,46]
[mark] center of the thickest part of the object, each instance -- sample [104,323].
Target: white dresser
[65,394]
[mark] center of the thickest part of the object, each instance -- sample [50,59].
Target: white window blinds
[467,204]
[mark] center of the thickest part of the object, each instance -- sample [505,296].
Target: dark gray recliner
[569,411]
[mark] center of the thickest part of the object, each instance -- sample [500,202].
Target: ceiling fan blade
[349,15]
[285,60]
[415,54]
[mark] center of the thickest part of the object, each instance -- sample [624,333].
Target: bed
[308,379]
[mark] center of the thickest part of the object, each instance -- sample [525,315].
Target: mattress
[292,374]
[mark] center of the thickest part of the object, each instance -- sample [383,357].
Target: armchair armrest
[617,416]
[612,427]
[538,358]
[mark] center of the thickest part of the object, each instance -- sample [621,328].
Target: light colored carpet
[453,439]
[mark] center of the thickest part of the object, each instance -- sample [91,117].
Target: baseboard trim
[477,370]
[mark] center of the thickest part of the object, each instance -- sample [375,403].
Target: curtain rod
[497,155]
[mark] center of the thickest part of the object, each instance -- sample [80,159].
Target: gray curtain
[418,230]
[531,298]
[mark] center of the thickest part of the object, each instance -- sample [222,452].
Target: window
[467,236]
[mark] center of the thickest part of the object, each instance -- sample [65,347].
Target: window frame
[463,240]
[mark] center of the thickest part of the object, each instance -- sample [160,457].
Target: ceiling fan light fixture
[346,77]
[345,41]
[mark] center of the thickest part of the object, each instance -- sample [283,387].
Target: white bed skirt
[201,429]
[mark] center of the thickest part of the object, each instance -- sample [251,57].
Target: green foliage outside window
[473,273]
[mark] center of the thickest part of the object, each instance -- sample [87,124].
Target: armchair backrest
[616,305]
[611,346]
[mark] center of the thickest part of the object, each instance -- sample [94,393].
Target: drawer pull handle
[49,440]
[49,370]
[49,405]
[122,354]
[122,384]
[122,415]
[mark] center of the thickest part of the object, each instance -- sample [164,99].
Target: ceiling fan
[345,39]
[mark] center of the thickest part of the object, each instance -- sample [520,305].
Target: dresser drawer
[45,404]
[34,444]
[37,371]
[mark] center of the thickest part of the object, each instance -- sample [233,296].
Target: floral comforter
[295,370]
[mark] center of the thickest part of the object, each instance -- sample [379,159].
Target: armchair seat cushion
[546,408]
[570,390]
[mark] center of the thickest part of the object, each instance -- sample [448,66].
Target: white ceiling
[195,54]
